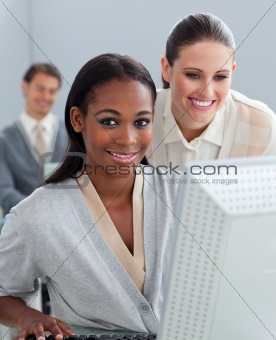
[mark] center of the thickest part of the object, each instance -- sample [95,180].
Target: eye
[108,122]
[39,88]
[220,77]
[192,75]
[142,122]
[53,92]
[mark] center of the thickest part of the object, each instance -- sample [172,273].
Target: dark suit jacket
[21,169]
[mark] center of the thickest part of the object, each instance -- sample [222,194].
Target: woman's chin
[200,120]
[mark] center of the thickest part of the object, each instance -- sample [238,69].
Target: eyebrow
[117,113]
[199,70]
[227,71]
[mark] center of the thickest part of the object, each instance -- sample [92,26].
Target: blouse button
[144,308]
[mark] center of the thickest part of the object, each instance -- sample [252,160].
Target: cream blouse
[133,264]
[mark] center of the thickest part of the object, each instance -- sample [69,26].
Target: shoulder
[254,114]
[254,106]
[61,130]
[163,182]
[10,130]
[48,208]
[162,105]
[60,141]
[46,200]
[61,125]
[163,94]
[10,133]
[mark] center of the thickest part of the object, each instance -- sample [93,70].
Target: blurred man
[35,132]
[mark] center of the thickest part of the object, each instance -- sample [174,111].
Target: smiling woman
[124,111]
[98,230]
[197,116]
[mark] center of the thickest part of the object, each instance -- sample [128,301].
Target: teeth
[200,103]
[121,156]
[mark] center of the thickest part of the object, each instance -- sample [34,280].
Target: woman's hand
[37,323]
[15,313]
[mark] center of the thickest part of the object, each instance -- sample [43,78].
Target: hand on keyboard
[103,337]
[35,323]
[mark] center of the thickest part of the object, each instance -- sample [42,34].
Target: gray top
[51,234]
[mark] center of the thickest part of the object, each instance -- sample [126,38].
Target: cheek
[146,137]
[53,97]
[34,95]
[223,89]
[183,86]
[94,138]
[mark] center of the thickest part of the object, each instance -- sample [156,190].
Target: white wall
[14,55]
[70,32]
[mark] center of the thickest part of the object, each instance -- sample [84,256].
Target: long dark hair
[193,29]
[96,72]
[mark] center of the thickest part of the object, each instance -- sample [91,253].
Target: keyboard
[132,336]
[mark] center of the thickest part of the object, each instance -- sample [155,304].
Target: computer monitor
[222,284]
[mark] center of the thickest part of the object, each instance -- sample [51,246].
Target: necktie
[40,144]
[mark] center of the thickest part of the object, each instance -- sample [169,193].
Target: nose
[126,136]
[44,95]
[208,89]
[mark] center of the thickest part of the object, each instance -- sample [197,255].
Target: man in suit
[37,131]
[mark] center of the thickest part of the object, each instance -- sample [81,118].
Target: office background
[70,32]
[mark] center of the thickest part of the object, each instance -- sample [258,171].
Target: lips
[123,157]
[42,103]
[202,104]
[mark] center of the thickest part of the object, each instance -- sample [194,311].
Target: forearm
[13,310]
[15,313]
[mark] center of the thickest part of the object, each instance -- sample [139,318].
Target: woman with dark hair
[98,230]
[197,116]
